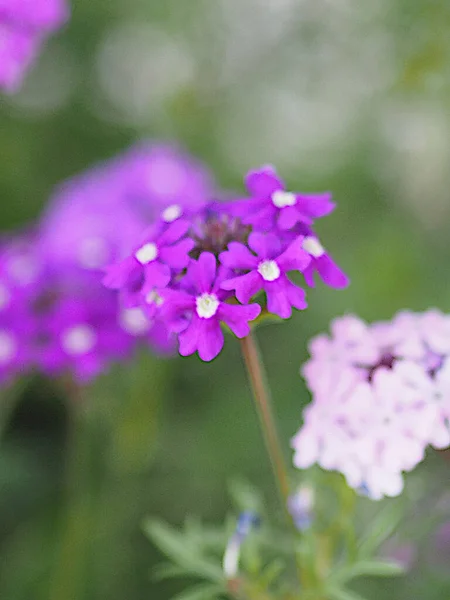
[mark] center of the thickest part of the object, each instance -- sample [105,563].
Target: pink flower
[381,395]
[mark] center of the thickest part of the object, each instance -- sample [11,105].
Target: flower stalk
[261,396]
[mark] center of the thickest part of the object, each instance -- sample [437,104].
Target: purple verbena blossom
[267,270]
[272,206]
[150,267]
[174,282]
[203,305]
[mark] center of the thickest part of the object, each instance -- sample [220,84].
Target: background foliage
[346,96]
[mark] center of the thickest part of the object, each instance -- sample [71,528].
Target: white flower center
[147,253]
[134,321]
[281,199]
[5,296]
[92,253]
[172,213]
[154,298]
[8,347]
[313,247]
[269,270]
[207,305]
[78,340]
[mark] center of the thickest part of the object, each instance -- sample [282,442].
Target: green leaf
[200,592]
[341,594]
[168,571]
[369,568]
[177,546]
[381,528]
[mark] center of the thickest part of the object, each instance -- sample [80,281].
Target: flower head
[200,267]
[381,395]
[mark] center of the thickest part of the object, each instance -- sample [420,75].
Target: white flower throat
[269,270]
[79,339]
[147,253]
[281,199]
[207,305]
[313,247]
[172,213]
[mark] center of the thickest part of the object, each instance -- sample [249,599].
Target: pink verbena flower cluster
[55,315]
[24,27]
[381,395]
[198,269]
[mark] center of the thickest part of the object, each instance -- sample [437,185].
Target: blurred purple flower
[24,26]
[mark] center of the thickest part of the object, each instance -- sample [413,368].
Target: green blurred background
[338,94]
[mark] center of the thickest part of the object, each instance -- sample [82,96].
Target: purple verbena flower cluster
[55,314]
[24,27]
[197,269]
[381,395]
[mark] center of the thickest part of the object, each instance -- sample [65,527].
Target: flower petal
[330,273]
[203,271]
[237,317]
[245,286]
[264,245]
[277,298]
[263,182]
[294,258]
[238,256]
[177,255]
[210,339]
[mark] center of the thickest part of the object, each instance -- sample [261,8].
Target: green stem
[71,560]
[261,395]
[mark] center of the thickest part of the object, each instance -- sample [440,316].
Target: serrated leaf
[369,568]
[176,546]
[200,592]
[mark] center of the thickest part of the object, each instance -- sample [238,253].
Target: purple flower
[46,15]
[322,263]
[267,270]
[163,177]
[204,308]
[18,48]
[150,266]
[80,329]
[381,395]
[24,25]
[272,206]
